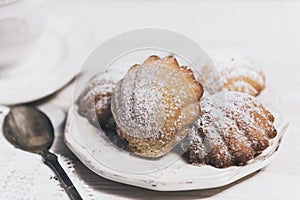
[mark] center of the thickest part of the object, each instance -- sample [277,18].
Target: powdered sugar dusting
[155,101]
[233,125]
[96,97]
[235,73]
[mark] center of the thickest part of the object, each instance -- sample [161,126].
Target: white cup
[21,24]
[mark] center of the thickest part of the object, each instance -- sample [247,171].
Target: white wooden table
[267,31]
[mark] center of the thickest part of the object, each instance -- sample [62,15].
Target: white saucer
[55,60]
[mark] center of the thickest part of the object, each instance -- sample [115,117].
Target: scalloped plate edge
[160,182]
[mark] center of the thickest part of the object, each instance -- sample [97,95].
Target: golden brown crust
[103,112]
[218,158]
[134,67]
[94,104]
[151,60]
[233,72]
[232,129]
[198,88]
[155,104]
[245,84]
[94,101]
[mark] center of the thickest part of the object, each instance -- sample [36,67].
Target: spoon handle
[50,159]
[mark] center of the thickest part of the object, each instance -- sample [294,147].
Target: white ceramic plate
[95,151]
[55,60]
[170,172]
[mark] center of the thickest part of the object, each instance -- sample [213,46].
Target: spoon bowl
[29,129]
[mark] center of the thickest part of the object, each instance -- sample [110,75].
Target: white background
[266,31]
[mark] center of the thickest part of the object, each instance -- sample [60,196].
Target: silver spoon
[29,129]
